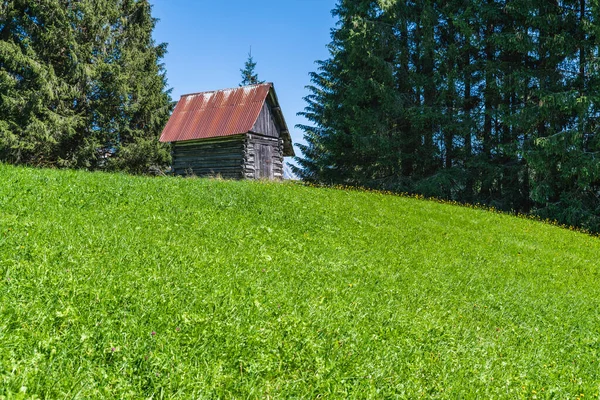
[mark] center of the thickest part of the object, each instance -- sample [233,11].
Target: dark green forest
[81,85]
[479,101]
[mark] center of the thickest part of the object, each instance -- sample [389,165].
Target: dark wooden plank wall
[211,157]
[263,157]
[249,156]
[265,124]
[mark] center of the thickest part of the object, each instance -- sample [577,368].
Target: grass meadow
[114,286]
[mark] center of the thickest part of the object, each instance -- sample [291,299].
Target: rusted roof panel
[214,114]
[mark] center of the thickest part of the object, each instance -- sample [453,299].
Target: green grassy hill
[114,286]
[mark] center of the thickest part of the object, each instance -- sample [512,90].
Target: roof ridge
[224,90]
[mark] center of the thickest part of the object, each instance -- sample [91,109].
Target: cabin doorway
[263,159]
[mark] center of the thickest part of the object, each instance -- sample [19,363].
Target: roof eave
[288,145]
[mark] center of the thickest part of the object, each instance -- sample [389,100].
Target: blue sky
[209,43]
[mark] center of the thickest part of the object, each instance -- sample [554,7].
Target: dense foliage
[122,287]
[81,85]
[480,101]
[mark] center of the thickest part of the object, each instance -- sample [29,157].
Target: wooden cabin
[233,133]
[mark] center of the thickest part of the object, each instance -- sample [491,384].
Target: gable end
[265,124]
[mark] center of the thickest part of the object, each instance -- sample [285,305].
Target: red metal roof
[214,114]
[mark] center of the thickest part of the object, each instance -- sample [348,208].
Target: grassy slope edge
[128,287]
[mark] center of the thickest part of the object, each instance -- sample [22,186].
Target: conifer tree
[564,152]
[82,85]
[249,75]
[353,102]
[34,118]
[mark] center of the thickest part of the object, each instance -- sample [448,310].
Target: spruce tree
[564,150]
[353,103]
[145,104]
[82,85]
[34,116]
[249,75]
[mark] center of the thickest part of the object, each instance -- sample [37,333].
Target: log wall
[223,157]
[249,156]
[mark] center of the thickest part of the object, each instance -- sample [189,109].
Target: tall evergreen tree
[81,85]
[249,75]
[34,118]
[145,103]
[565,149]
[353,102]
